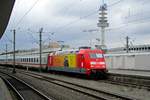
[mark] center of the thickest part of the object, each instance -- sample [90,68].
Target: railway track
[147,87]
[129,81]
[21,89]
[98,94]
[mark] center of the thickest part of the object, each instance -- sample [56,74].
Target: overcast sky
[68,19]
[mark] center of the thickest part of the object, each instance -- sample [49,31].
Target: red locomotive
[84,61]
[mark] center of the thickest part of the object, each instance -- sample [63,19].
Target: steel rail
[55,81]
[24,84]
[19,96]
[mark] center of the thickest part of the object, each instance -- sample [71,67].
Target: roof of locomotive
[90,51]
[76,51]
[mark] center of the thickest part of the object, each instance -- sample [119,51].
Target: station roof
[5,12]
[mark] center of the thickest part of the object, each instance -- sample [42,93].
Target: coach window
[37,60]
[145,48]
[129,48]
[44,59]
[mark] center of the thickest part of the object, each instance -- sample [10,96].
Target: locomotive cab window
[96,55]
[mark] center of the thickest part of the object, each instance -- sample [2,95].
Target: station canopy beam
[6,7]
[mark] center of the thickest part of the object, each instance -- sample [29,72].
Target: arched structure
[6,7]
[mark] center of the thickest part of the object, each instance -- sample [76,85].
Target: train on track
[85,61]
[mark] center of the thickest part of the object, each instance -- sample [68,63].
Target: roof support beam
[6,7]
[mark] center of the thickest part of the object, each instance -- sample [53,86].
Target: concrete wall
[128,61]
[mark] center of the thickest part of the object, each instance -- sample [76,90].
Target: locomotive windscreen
[96,55]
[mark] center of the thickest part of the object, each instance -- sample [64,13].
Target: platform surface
[4,92]
[130,72]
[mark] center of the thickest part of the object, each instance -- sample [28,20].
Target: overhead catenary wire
[71,5]
[70,23]
[85,16]
[115,3]
[36,40]
[8,39]
[26,13]
[21,19]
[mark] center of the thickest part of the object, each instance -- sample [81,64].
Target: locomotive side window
[82,56]
[96,55]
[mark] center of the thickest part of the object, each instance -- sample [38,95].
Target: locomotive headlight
[92,66]
[103,66]
[102,63]
[92,63]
